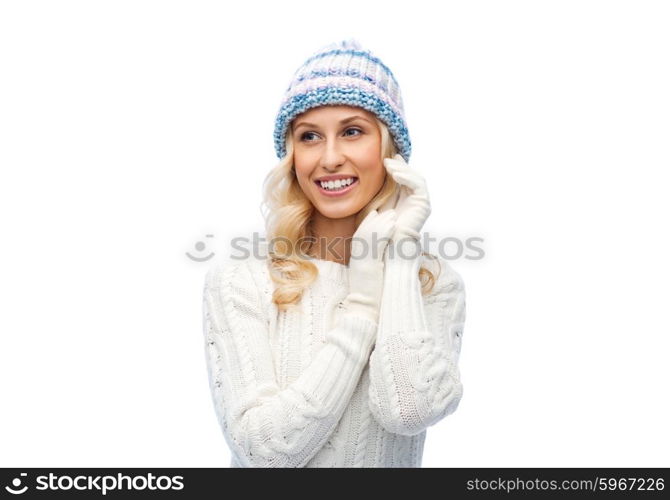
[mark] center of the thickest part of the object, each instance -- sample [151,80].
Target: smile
[337,188]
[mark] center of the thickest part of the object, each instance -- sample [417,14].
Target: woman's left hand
[413,207]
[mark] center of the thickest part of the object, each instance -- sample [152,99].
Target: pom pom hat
[344,73]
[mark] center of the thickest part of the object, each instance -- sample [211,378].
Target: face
[338,142]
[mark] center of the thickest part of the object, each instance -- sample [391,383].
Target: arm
[414,375]
[264,425]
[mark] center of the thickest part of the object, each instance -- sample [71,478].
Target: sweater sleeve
[263,424]
[414,375]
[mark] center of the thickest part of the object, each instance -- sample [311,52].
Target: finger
[404,179]
[393,169]
[399,166]
[394,165]
[399,159]
[414,181]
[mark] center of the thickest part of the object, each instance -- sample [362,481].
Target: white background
[131,129]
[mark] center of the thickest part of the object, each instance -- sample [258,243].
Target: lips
[340,192]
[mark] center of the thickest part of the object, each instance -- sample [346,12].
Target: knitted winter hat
[344,73]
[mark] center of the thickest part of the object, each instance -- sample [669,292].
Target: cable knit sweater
[324,387]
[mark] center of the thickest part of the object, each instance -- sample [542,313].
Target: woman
[341,347]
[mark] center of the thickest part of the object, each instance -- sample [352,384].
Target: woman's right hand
[366,263]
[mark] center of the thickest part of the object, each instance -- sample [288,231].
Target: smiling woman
[305,219]
[337,165]
[336,350]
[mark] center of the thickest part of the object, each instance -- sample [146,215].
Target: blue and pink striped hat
[344,73]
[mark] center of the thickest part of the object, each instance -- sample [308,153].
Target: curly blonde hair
[288,213]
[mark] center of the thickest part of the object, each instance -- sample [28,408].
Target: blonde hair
[288,212]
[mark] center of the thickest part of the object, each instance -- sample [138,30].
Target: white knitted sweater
[325,387]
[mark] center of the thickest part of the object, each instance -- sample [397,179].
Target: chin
[337,213]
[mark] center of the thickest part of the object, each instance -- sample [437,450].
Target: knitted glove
[413,206]
[366,264]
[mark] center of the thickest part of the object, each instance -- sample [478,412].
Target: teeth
[338,184]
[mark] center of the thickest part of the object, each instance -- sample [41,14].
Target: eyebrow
[346,120]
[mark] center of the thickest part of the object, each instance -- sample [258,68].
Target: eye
[354,128]
[305,136]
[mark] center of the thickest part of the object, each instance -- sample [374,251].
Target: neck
[333,237]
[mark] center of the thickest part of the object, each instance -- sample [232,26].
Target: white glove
[413,206]
[366,263]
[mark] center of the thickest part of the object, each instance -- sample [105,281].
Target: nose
[331,156]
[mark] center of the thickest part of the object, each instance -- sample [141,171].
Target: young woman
[340,347]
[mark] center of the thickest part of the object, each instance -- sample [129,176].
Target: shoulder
[224,272]
[221,272]
[246,279]
[236,295]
